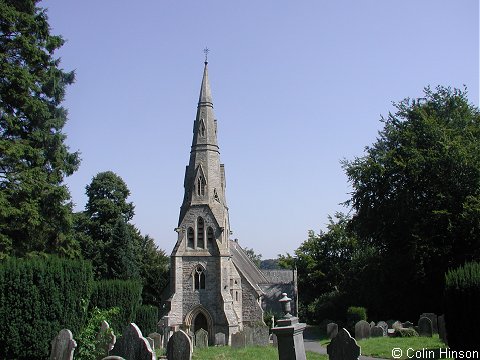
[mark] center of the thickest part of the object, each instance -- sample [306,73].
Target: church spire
[205,98]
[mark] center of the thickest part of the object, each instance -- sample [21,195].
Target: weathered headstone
[407,324]
[442,330]
[343,347]
[260,335]
[274,340]
[376,331]
[133,346]
[433,319]
[332,330]
[63,346]
[179,346]
[384,327]
[157,338]
[362,330]
[107,336]
[425,327]
[397,325]
[372,324]
[220,339]
[238,340]
[248,331]
[201,338]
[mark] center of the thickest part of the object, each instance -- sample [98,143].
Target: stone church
[213,283]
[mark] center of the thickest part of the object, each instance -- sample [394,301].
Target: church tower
[201,266]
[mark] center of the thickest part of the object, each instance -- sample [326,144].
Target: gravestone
[372,324]
[407,325]
[376,331]
[108,337]
[201,338]
[442,330]
[433,319]
[362,330]
[261,335]
[384,327]
[274,340]
[425,327]
[179,346]
[248,331]
[63,346]
[219,339]
[113,357]
[343,347]
[332,330]
[238,340]
[397,325]
[157,338]
[133,346]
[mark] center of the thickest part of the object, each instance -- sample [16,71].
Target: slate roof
[246,266]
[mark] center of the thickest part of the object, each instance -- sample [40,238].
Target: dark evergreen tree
[35,208]
[121,253]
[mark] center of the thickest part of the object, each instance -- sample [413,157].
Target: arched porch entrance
[200,318]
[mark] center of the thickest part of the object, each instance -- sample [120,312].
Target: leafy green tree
[416,196]
[35,208]
[154,270]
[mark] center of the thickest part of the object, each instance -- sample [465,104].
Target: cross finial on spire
[206,51]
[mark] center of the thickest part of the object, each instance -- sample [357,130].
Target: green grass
[248,353]
[382,346]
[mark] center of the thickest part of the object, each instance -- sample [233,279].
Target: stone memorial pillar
[289,333]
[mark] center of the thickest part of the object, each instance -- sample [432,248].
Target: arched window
[210,238]
[200,233]
[190,238]
[199,278]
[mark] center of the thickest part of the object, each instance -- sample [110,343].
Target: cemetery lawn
[248,353]
[382,346]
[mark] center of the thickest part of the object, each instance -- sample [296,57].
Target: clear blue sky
[297,86]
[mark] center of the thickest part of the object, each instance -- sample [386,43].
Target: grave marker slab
[63,346]
[157,338]
[179,346]
[425,327]
[384,327]
[362,330]
[376,331]
[397,325]
[343,347]
[220,339]
[407,324]
[433,318]
[238,340]
[261,335]
[109,338]
[332,330]
[201,338]
[133,346]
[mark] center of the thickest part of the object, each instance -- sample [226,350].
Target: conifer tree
[35,207]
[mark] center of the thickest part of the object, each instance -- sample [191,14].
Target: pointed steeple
[204,176]
[205,98]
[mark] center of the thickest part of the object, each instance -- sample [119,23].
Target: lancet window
[199,278]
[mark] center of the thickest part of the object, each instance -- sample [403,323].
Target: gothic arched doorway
[200,322]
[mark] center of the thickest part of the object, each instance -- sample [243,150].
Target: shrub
[38,298]
[462,296]
[405,332]
[124,294]
[146,319]
[91,346]
[356,313]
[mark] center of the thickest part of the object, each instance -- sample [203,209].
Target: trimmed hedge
[38,298]
[124,294]
[462,298]
[146,319]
